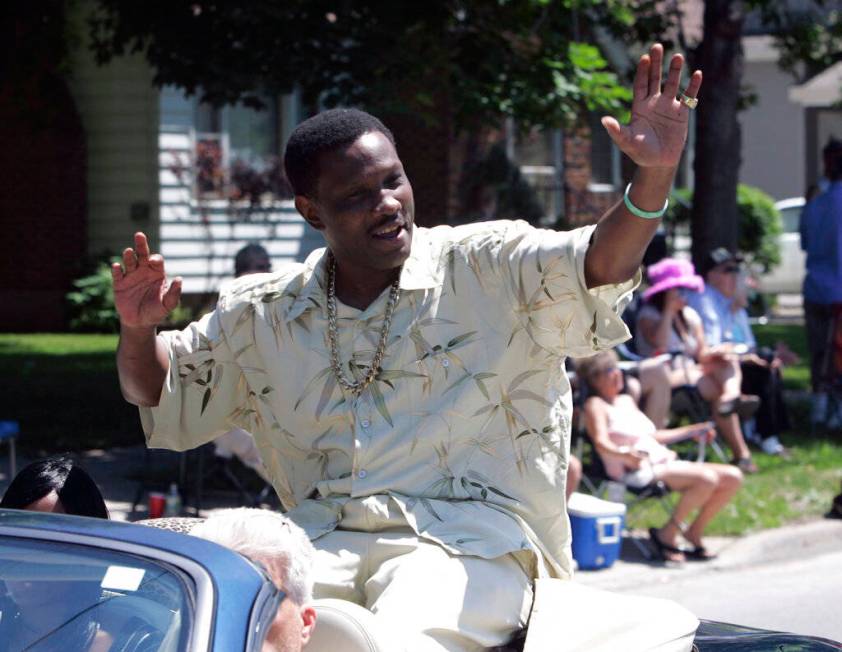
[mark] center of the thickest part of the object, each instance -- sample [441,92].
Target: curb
[799,540]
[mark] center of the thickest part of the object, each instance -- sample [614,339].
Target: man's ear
[309,211]
[308,618]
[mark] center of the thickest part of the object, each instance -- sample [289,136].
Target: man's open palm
[656,134]
[142,295]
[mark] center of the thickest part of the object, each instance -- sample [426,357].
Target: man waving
[405,386]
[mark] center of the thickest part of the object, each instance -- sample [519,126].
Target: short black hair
[76,490]
[324,132]
[832,156]
[833,146]
[247,259]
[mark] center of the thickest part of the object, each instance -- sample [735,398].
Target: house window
[236,148]
[538,155]
[605,158]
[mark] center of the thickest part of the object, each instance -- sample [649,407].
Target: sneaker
[743,406]
[773,446]
[818,409]
[834,420]
[745,464]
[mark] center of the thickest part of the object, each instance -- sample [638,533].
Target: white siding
[198,239]
[119,109]
[774,150]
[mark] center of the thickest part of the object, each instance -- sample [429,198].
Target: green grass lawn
[63,390]
[782,492]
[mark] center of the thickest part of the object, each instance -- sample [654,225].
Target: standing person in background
[821,239]
[251,259]
[721,305]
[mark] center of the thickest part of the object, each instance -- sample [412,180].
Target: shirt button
[362,474]
[445,363]
[365,423]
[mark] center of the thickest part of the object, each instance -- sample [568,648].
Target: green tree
[475,60]
[480,59]
[806,35]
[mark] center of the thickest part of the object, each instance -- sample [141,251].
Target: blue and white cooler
[597,527]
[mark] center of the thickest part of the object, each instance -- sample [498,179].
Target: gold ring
[689,102]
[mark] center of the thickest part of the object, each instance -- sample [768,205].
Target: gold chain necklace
[358,386]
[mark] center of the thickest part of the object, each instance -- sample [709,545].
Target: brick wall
[425,152]
[581,205]
[42,204]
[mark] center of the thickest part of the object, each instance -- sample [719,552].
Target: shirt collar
[420,272]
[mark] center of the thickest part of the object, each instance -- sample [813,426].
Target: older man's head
[287,554]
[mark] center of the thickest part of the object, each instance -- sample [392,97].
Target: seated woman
[666,324]
[55,484]
[634,452]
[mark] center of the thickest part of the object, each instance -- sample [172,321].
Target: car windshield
[74,598]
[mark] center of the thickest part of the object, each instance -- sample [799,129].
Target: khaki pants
[433,600]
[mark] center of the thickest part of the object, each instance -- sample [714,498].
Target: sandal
[745,464]
[700,553]
[744,406]
[662,549]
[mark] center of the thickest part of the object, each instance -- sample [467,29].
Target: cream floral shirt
[463,435]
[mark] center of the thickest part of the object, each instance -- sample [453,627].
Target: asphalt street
[803,596]
[789,579]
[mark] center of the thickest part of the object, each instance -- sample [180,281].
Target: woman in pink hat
[666,324]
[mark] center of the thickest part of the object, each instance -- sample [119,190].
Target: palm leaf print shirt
[463,436]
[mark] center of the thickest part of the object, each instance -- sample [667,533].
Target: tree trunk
[718,143]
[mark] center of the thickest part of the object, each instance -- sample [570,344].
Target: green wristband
[646,215]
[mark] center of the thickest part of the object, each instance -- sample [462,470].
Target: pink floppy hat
[672,273]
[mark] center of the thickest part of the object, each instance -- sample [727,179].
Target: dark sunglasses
[731,269]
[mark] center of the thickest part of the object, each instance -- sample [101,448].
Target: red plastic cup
[157,503]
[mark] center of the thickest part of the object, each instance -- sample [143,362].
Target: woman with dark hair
[55,484]
[666,324]
[45,614]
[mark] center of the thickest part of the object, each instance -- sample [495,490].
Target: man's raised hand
[142,295]
[656,134]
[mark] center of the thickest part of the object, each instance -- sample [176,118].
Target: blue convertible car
[74,584]
[138,588]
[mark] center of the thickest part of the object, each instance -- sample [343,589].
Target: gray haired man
[287,554]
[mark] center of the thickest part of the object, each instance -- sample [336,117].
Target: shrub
[760,223]
[760,227]
[92,303]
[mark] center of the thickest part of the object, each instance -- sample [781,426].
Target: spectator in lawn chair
[58,485]
[722,307]
[667,324]
[286,553]
[634,452]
